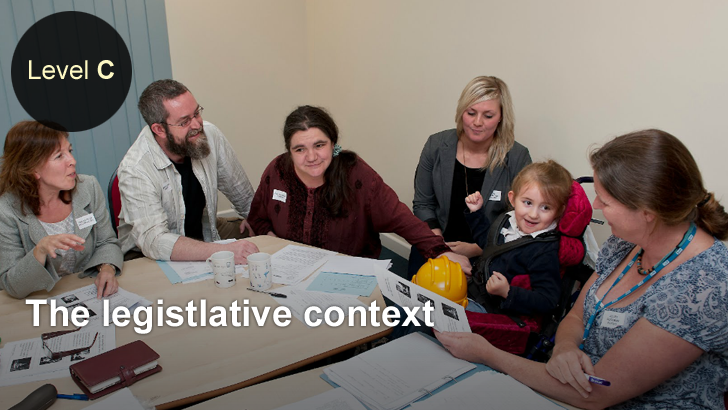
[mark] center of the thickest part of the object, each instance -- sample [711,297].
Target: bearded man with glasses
[169,178]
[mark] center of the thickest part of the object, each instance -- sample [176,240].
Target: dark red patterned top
[301,218]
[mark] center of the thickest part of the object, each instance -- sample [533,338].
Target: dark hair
[27,146]
[552,180]
[151,102]
[336,192]
[652,170]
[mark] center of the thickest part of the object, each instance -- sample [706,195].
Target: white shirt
[152,206]
[512,232]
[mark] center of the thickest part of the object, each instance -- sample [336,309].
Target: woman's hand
[437,231]
[469,250]
[498,285]
[462,260]
[106,283]
[467,346]
[245,225]
[48,245]
[474,201]
[568,365]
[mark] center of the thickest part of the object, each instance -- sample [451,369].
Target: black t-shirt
[194,198]
[457,228]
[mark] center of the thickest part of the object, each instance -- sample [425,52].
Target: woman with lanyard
[653,320]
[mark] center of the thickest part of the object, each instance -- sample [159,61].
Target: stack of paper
[349,277]
[27,360]
[487,391]
[398,373]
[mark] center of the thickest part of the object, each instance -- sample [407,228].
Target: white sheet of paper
[299,299]
[86,296]
[397,373]
[448,315]
[27,360]
[294,263]
[119,400]
[346,264]
[334,399]
[488,390]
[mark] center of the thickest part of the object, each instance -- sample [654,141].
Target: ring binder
[454,380]
[426,391]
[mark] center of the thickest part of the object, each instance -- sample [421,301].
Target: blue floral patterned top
[690,302]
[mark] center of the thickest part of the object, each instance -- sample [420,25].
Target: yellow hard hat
[444,277]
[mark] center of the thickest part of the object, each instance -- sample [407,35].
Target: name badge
[165,186]
[612,320]
[86,221]
[280,195]
[495,196]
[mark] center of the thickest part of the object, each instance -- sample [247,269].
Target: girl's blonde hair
[552,179]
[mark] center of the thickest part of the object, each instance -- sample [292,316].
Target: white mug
[223,267]
[261,274]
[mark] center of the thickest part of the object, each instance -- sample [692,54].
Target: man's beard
[198,150]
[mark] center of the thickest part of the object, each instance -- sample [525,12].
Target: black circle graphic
[71,68]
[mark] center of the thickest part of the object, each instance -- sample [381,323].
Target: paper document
[347,264]
[119,400]
[27,360]
[191,272]
[294,263]
[397,373]
[86,296]
[448,315]
[298,300]
[488,390]
[354,264]
[334,399]
[344,283]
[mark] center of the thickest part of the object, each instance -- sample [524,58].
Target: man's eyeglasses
[58,355]
[188,120]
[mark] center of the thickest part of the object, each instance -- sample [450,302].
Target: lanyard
[687,238]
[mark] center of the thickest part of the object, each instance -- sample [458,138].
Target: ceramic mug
[259,268]
[223,267]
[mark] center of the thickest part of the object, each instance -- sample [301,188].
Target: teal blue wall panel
[142,24]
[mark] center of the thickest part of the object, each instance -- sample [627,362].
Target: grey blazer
[21,274]
[433,179]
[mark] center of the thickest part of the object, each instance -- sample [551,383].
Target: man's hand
[241,249]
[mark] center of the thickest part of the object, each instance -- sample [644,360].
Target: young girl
[538,197]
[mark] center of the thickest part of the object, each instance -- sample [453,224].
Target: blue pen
[597,380]
[72,396]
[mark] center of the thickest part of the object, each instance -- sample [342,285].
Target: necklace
[669,257]
[600,306]
[465,168]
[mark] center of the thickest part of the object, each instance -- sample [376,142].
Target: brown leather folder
[115,369]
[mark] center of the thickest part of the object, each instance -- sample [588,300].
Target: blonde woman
[480,154]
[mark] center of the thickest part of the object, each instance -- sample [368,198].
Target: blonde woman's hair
[486,88]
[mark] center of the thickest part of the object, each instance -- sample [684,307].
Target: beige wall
[246,63]
[390,71]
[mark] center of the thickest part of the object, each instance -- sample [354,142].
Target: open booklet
[397,373]
[448,316]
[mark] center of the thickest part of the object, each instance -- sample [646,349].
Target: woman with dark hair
[479,155]
[652,320]
[318,194]
[52,221]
